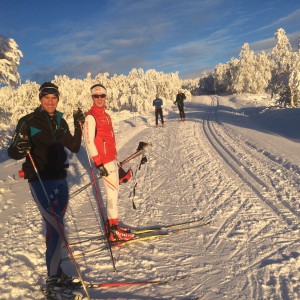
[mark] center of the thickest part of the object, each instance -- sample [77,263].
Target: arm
[21,129]
[72,142]
[176,99]
[89,132]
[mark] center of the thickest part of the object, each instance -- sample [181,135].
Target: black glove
[78,116]
[24,145]
[102,170]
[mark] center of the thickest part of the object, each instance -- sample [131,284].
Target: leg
[57,191]
[181,112]
[156,116]
[161,116]
[111,183]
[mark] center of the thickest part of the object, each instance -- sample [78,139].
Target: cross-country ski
[140,236]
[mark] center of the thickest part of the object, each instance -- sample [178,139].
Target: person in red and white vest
[101,145]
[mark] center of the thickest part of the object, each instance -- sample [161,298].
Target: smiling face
[49,103]
[99,100]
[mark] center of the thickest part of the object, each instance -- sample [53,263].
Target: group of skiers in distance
[158,103]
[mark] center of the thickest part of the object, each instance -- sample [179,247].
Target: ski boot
[60,287]
[117,233]
[70,281]
[61,293]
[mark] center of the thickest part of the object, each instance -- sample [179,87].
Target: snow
[234,161]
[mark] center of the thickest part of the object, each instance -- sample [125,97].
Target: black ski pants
[158,112]
[181,112]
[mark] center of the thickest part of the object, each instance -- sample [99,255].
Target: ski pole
[140,150]
[83,187]
[99,201]
[61,229]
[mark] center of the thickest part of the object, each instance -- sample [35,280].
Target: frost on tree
[9,61]
[134,93]
[253,72]
[276,73]
[281,55]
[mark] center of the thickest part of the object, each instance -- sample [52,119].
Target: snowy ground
[231,161]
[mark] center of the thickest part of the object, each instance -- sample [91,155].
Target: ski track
[249,196]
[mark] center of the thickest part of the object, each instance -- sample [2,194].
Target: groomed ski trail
[200,167]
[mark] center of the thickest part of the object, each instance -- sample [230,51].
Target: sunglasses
[99,96]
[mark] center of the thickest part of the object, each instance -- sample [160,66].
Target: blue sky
[69,37]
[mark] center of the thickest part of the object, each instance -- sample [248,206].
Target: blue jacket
[157,103]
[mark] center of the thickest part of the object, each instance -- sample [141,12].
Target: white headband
[98,90]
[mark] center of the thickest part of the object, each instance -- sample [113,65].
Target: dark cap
[48,88]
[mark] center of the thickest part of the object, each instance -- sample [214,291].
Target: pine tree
[9,60]
[281,55]
[244,81]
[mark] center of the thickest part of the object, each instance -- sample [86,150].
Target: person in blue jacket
[157,103]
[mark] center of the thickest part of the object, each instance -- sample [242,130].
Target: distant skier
[45,134]
[157,103]
[180,104]
[100,141]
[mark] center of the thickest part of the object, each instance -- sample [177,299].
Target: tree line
[276,73]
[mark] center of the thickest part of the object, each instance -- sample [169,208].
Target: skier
[179,101]
[100,142]
[157,103]
[44,133]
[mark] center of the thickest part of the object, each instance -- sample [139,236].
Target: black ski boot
[61,287]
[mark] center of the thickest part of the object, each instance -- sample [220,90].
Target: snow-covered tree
[294,86]
[134,93]
[9,61]
[263,72]
[253,72]
[281,55]
[244,80]
[224,76]
[206,85]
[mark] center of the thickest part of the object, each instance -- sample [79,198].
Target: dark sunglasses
[99,96]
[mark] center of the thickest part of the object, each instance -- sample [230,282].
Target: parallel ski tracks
[265,193]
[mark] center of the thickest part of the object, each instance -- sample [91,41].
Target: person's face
[99,100]
[49,103]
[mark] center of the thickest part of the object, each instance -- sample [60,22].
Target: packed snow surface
[234,162]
